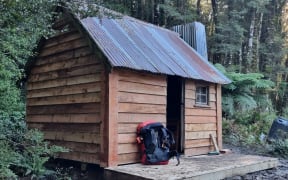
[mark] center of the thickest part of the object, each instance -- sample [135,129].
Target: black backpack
[155,141]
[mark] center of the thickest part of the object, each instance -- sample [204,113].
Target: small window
[202,95]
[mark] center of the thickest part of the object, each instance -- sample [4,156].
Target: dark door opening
[175,110]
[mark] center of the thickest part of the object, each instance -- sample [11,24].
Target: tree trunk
[198,6]
[133,7]
[240,59]
[258,42]
[250,43]
[156,13]
[215,13]
[216,56]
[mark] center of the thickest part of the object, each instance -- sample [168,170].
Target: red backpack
[155,141]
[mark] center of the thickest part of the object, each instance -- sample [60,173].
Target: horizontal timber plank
[138,117]
[65,99]
[64,127]
[127,128]
[199,134]
[65,37]
[192,143]
[141,88]
[201,127]
[200,119]
[61,23]
[142,108]
[69,63]
[141,98]
[190,94]
[65,81]
[198,150]
[74,44]
[65,73]
[72,136]
[212,97]
[61,34]
[129,158]
[200,112]
[81,157]
[190,104]
[127,138]
[79,147]
[212,89]
[65,90]
[76,108]
[65,118]
[128,148]
[143,78]
[83,51]
[190,84]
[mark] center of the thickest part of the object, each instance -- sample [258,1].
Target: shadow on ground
[66,169]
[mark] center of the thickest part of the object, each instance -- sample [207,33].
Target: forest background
[247,40]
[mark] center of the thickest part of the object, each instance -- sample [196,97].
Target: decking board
[196,168]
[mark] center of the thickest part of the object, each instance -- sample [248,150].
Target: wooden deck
[195,167]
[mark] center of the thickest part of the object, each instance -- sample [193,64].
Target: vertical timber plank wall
[141,97]
[64,96]
[200,121]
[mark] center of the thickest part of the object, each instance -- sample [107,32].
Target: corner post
[112,119]
[219,115]
[109,145]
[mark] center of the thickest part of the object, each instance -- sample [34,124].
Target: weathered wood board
[64,96]
[195,168]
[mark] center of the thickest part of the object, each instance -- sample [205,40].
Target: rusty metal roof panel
[134,44]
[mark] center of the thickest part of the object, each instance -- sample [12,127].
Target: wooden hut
[95,80]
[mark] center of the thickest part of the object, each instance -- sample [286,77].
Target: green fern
[228,104]
[245,91]
[244,102]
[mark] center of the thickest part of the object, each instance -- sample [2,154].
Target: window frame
[202,94]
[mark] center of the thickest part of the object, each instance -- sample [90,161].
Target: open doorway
[175,110]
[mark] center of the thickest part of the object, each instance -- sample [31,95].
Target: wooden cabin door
[175,110]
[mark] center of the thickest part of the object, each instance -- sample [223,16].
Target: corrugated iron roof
[131,43]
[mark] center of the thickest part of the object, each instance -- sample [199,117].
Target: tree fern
[228,105]
[244,102]
[244,93]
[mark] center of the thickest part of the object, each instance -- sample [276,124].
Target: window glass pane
[203,99]
[197,99]
[204,90]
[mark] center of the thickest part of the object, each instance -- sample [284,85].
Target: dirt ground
[279,173]
[73,170]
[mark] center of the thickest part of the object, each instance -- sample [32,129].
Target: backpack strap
[171,138]
[176,154]
[168,140]
[164,139]
[167,137]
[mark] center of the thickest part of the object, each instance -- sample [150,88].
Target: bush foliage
[247,108]
[247,92]
[23,152]
[249,129]
[279,148]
